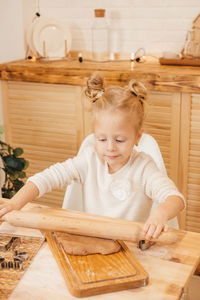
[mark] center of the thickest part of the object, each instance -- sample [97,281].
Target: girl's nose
[110,145]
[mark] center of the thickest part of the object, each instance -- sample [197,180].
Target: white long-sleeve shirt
[126,194]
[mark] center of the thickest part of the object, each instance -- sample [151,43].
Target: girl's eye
[119,141]
[102,140]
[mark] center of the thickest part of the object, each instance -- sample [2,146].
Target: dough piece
[85,245]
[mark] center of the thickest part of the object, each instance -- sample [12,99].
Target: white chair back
[147,144]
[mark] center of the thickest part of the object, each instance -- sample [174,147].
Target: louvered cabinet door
[163,123]
[190,162]
[46,121]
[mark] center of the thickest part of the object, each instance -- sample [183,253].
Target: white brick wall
[11,35]
[156,25]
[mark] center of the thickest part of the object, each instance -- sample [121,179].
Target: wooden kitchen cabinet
[190,160]
[49,122]
[174,121]
[44,114]
[161,122]
[46,121]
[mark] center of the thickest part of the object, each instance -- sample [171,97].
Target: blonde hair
[131,98]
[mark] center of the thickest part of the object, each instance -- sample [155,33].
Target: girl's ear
[139,134]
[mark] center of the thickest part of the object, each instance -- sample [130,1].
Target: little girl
[117,180]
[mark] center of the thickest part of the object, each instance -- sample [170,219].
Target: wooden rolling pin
[82,223]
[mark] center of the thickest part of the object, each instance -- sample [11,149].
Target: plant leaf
[26,164]
[10,161]
[18,184]
[21,174]
[18,151]
[14,176]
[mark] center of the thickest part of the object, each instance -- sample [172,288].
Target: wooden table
[170,269]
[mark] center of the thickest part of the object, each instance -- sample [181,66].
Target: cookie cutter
[19,257]
[13,242]
[144,245]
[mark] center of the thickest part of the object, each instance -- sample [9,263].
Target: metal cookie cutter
[11,265]
[14,241]
[21,256]
[144,245]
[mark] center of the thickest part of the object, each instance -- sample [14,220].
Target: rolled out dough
[84,245]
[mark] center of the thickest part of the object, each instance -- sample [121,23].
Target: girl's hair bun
[95,86]
[138,89]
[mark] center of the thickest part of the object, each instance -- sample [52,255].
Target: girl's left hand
[155,224]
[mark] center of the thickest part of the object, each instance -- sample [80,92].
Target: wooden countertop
[170,268]
[159,77]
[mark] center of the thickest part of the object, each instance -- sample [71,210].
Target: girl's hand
[155,224]
[26,194]
[6,207]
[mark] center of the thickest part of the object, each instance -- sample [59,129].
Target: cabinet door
[163,123]
[46,121]
[190,160]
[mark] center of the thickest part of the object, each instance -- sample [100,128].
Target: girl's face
[115,135]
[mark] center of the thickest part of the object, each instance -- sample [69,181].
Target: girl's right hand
[5,207]
[26,194]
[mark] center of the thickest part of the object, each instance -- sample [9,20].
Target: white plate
[54,34]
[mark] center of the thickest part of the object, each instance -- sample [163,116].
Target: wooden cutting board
[97,274]
[180,62]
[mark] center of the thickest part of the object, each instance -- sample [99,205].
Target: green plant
[13,166]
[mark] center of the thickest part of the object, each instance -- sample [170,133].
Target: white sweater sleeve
[60,174]
[158,186]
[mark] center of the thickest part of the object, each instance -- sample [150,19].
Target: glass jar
[100,36]
[114,39]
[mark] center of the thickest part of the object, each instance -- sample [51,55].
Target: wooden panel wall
[45,120]
[192,221]
[162,122]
